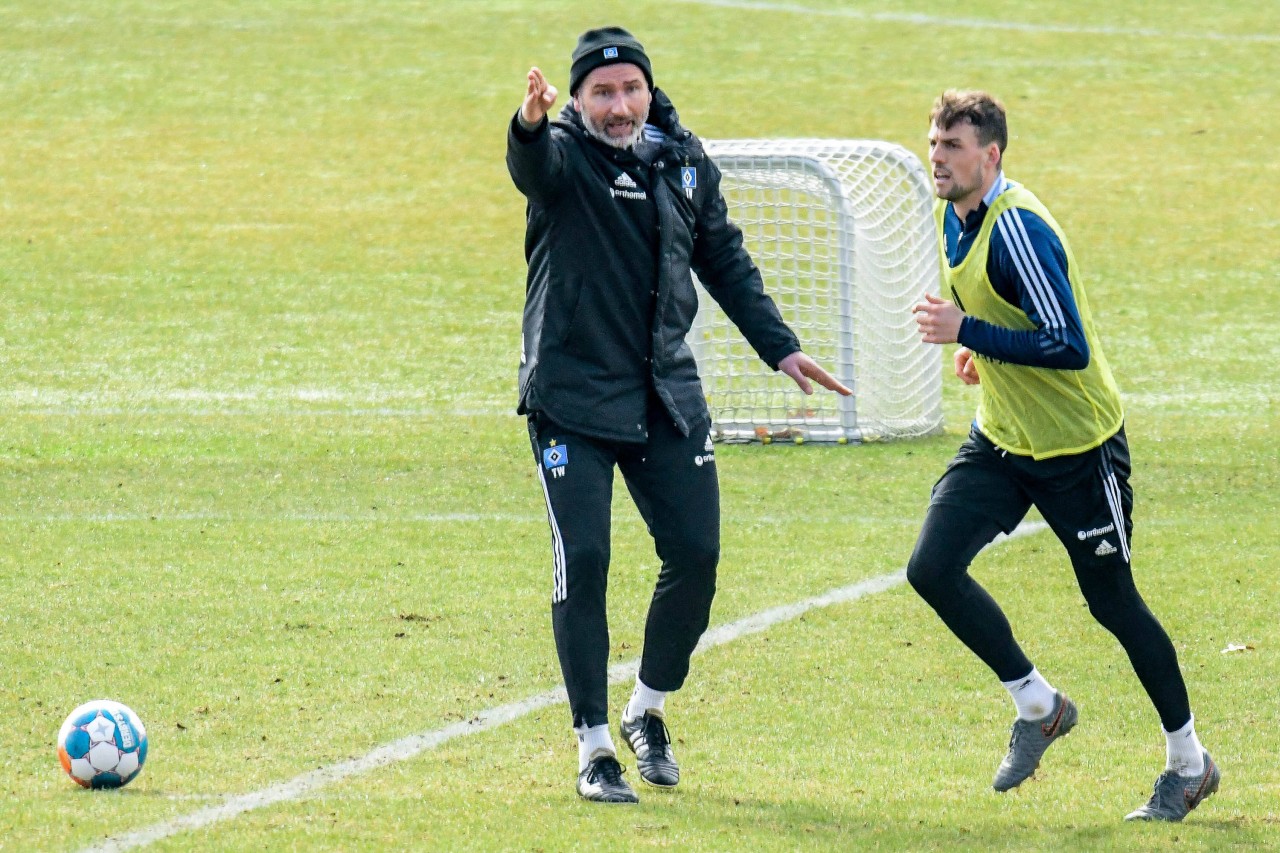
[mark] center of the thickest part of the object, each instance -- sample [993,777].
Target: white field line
[333,403]
[980,23]
[413,745]
[281,518]
[1203,405]
[162,517]
[57,396]
[264,412]
[242,402]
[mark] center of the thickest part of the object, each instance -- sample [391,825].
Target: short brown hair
[981,109]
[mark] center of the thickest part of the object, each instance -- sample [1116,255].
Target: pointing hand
[539,98]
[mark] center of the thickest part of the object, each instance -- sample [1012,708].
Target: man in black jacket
[622,205]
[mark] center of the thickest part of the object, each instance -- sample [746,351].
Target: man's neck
[975,200]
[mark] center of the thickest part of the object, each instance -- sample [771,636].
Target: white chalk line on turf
[979,23]
[162,517]
[413,745]
[386,412]
[246,402]
[305,403]
[276,518]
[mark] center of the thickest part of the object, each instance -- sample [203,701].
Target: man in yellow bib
[1049,432]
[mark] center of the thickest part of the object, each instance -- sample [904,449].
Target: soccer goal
[843,232]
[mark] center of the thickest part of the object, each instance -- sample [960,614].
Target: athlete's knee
[1105,612]
[930,578]
[692,553]
[919,574]
[931,582]
[689,577]
[593,551]
[698,565]
[586,563]
[1117,612]
[939,566]
[704,554]
[1109,591]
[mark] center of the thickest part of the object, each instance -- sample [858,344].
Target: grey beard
[599,133]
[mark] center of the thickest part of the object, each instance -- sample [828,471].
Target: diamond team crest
[688,180]
[554,459]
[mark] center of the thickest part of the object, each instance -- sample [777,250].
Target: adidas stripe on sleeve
[1027,265]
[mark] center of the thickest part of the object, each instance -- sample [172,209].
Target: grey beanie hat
[606,46]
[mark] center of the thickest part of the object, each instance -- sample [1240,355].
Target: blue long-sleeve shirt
[1027,266]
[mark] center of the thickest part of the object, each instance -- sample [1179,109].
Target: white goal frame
[843,233]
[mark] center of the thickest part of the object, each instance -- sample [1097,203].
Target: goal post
[843,233]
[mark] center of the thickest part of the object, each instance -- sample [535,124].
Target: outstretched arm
[534,159]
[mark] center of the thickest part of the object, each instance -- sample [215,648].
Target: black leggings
[955,530]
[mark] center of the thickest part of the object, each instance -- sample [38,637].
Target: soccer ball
[102,744]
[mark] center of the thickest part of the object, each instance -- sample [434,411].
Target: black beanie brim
[607,46]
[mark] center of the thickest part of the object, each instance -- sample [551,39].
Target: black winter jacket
[610,241]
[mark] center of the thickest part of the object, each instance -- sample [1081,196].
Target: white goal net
[843,232]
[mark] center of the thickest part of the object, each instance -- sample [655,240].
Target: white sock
[1032,695]
[644,698]
[1185,755]
[591,741]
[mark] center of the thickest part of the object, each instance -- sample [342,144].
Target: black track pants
[1087,501]
[672,480]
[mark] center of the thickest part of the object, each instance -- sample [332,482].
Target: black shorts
[1084,497]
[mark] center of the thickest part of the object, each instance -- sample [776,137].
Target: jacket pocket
[584,336]
[568,310]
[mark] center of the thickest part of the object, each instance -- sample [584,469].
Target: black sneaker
[649,739]
[602,781]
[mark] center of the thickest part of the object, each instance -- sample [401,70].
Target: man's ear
[993,155]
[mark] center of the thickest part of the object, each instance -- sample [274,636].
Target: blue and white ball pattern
[102,744]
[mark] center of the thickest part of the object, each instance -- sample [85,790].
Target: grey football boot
[1030,738]
[649,739]
[1176,795]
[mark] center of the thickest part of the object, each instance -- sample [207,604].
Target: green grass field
[262,479]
